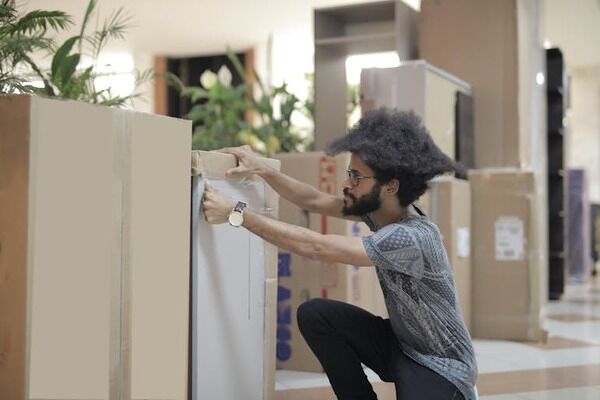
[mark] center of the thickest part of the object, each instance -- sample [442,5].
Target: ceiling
[178,27]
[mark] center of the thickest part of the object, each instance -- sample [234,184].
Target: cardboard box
[509,277]
[418,86]
[301,279]
[234,278]
[493,45]
[448,204]
[86,303]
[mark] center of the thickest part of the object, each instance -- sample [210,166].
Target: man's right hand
[248,161]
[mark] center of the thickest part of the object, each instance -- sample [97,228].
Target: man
[424,347]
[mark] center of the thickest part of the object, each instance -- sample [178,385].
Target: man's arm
[304,195]
[301,194]
[308,243]
[216,208]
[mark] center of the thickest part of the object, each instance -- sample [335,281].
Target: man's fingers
[236,151]
[236,170]
[204,212]
[226,150]
[208,189]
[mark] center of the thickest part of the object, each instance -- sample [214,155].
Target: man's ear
[392,186]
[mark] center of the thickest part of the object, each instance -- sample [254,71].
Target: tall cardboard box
[429,92]
[448,204]
[301,279]
[234,284]
[94,252]
[509,277]
[496,47]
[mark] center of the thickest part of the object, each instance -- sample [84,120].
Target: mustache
[348,194]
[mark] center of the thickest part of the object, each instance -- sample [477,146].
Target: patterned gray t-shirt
[416,278]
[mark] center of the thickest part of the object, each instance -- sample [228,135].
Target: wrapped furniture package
[94,252]
[234,284]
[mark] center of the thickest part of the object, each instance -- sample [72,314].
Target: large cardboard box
[448,204]
[301,279]
[429,92]
[234,283]
[495,46]
[94,252]
[509,277]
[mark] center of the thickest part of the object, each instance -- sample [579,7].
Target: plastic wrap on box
[234,274]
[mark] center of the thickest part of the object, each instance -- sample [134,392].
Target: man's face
[361,189]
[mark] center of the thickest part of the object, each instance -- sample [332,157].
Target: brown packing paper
[508,275]
[14,278]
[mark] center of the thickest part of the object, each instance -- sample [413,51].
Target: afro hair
[396,145]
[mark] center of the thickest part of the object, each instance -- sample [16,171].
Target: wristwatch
[236,216]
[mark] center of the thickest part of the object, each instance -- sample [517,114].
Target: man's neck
[383,217]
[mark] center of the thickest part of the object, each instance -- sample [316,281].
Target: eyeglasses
[355,178]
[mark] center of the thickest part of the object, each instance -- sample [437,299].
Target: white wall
[583,117]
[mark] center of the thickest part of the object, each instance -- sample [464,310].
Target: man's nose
[347,184]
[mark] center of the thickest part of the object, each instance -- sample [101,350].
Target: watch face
[236,219]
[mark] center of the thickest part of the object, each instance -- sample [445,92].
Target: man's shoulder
[397,235]
[395,247]
[421,226]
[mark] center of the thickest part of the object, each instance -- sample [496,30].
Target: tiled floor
[566,367]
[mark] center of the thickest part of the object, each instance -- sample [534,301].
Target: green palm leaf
[40,20]
[61,55]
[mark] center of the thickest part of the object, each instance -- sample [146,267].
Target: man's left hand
[216,206]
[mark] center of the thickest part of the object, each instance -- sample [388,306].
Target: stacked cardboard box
[493,45]
[234,284]
[301,279]
[429,92]
[448,204]
[509,275]
[94,252]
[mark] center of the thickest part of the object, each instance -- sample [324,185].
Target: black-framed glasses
[355,178]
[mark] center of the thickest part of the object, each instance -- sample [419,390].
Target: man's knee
[310,312]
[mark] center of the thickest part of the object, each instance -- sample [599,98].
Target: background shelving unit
[556,90]
[347,30]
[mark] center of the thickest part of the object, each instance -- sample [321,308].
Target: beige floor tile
[558,342]
[573,317]
[539,379]
[385,391]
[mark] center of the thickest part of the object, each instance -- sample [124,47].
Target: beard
[365,204]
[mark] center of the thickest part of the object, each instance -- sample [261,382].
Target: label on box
[510,239]
[463,242]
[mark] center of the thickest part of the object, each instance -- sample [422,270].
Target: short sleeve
[394,247]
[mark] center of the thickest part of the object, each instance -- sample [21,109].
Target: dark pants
[343,336]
